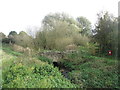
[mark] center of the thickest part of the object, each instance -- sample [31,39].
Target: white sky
[18,15]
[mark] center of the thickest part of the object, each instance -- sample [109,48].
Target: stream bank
[62,69]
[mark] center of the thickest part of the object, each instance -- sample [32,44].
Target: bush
[80,40]
[44,76]
[92,48]
[61,43]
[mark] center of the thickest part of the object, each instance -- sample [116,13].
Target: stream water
[62,69]
[64,72]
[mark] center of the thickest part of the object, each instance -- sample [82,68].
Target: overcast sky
[18,15]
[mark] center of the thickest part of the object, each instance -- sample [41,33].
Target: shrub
[61,43]
[92,48]
[80,40]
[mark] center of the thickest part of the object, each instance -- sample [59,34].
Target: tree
[85,24]
[13,33]
[11,36]
[32,31]
[24,39]
[58,31]
[106,32]
[40,40]
[2,37]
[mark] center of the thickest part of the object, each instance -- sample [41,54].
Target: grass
[8,49]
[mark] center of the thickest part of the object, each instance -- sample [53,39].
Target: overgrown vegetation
[93,71]
[25,72]
[86,54]
[61,28]
[45,59]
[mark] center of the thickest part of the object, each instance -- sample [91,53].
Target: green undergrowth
[8,49]
[29,72]
[92,71]
[45,59]
[43,76]
[21,71]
